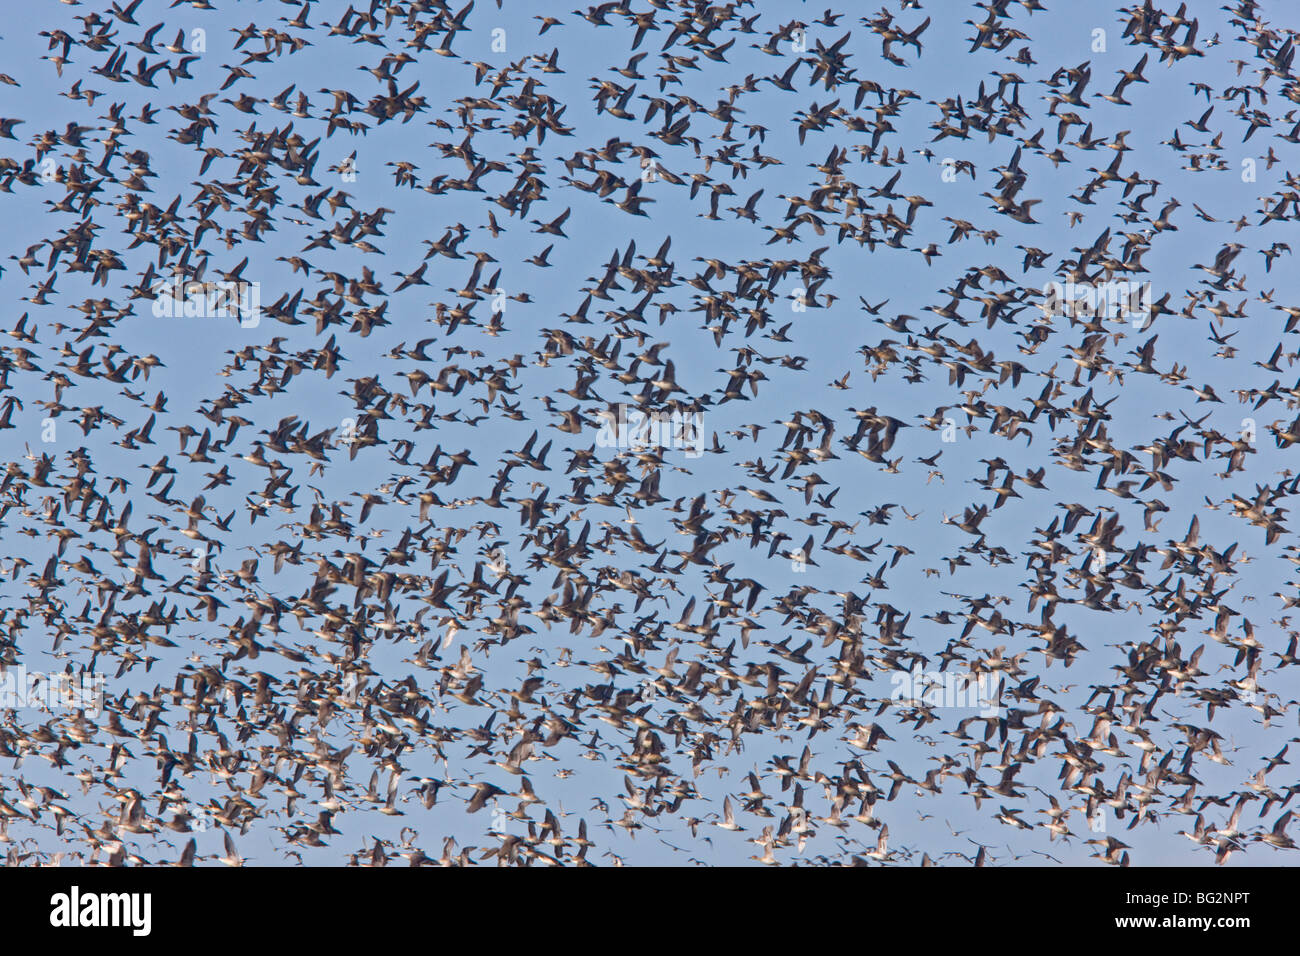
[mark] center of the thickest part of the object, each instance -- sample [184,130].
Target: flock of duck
[567,491]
